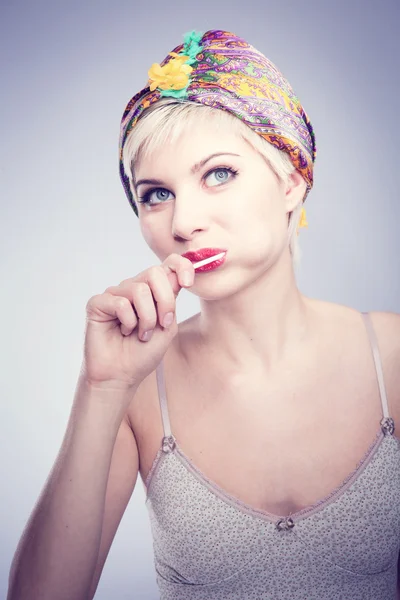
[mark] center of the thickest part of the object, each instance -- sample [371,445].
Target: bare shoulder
[344,324]
[386,326]
[387,330]
[343,318]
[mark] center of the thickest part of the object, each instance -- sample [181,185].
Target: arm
[59,548]
[121,483]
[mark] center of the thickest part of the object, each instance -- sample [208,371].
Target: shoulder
[387,322]
[387,330]
[346,325]
[348,320]
[386,326]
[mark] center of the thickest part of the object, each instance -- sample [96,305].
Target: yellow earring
[303,220]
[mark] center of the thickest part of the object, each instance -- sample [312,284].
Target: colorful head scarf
[222,70]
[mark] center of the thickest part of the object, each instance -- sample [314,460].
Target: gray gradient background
[68,232]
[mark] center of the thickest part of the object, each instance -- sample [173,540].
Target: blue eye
[160,195]
[221,174]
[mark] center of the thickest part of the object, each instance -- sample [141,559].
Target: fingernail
[186,278]
[147,335]
[169,317]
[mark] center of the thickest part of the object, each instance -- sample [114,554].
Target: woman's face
[212,189]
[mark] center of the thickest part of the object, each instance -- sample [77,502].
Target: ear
[295,189]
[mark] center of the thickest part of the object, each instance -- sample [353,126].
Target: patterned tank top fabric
[209,545]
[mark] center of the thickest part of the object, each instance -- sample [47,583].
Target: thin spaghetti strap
[378,363]
[162,395]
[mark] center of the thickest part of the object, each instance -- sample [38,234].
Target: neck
[259,327]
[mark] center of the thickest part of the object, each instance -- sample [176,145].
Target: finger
[137,300]
[163,294]
[175,263]
[125,286]
[144,306]
[145,298]
[126,315]
[108,307]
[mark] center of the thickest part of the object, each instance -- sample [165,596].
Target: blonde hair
[166,120]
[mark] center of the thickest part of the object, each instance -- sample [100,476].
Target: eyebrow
[193,170]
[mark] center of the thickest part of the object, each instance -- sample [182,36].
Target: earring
[303,220]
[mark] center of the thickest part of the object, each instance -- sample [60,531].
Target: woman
[265,426]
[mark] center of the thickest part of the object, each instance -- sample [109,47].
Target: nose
[189,217]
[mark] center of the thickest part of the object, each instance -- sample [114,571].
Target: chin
[218,288]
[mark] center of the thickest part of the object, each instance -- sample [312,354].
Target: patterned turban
[221,70]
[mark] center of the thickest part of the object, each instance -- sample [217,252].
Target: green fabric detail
[175,93]
[191,48]
[191,45]
[209,77]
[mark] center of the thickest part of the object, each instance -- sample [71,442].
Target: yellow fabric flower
[172,76]
[182,57]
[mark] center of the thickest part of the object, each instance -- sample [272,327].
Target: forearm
[57,554]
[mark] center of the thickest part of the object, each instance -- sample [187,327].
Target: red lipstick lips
[202,254]
[202,259]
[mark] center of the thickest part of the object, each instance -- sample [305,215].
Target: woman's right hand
[114,354]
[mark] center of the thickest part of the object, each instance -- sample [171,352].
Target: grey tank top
[209,545]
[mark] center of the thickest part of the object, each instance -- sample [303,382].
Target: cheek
[149,234]
[260,207]
[146,232]
[269,208]
[262,225]
[157,239]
